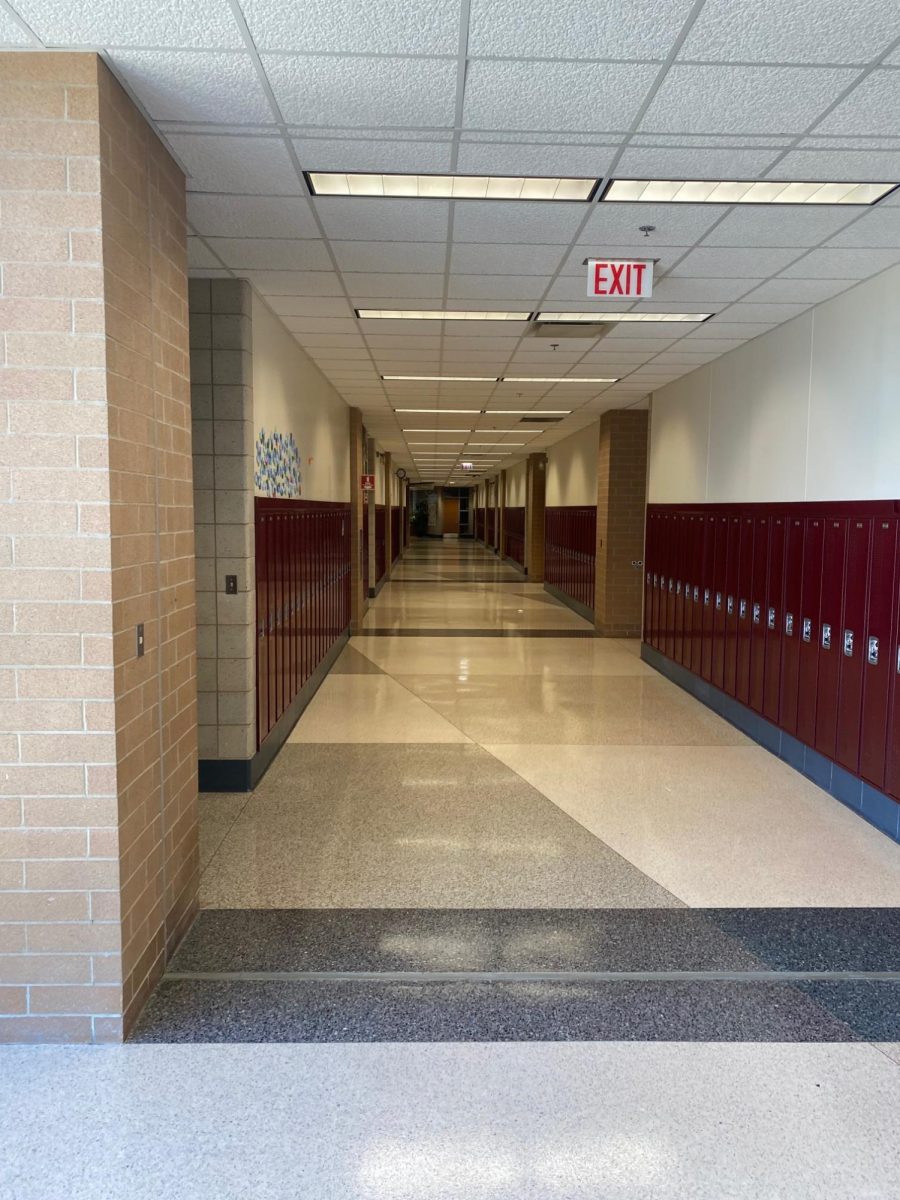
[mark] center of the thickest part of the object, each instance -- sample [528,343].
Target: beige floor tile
[717,826]
[370,708]
[501,656]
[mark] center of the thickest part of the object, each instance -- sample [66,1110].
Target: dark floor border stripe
[868,802]
[573,977]
[575,605]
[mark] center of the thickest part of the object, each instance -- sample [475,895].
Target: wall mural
[277,465]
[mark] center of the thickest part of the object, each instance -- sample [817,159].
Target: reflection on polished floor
[524,920]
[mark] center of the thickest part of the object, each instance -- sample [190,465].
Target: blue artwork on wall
[277,465]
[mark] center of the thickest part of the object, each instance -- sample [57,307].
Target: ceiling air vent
[540,420]
[557,330]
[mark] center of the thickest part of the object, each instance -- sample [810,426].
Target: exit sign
[620,279]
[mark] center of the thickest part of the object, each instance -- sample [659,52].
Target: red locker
[808,644]
[732,581]
[680,542]
[744,600]
[669,597]
[879,639]
[699,575]
[720,583]
[262,629]
[892,764]
[649,529]
[773,614]
[790,647]
[850,645]
[758,592]
[658,582]
[831,608]
[711,524]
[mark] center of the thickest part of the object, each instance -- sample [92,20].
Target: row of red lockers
[794,610]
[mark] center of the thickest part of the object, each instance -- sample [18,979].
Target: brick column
[535,493]
[358,588]
[222,415]
[98,818]
[621,504]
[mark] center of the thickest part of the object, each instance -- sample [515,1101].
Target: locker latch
[826,637]
[848,642]
[678,588]
[648,579]
[706,597]
[757,613]
[671,585]
[898,660]
[696,594]
[742,610]
[718,601]
[806,632]
[770,619]
[872,652]
[655,580]
[730,607]
[789,624]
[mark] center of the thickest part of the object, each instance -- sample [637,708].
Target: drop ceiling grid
[248,92]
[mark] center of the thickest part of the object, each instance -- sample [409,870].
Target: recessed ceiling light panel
[438,314]
[595,318]
[388,185]
[747,191]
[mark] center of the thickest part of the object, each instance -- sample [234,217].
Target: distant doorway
[451,516]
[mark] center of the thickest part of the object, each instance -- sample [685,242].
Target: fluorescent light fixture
[437,431]
[593,318]
[449,187]
[747,191]
[440,412]
[553,379]
[435,442]
[496,443]
[440,379]
[529,412]
[438,314]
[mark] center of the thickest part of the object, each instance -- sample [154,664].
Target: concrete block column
[621,507]
[535,506]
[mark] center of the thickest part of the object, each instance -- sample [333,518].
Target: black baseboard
[514,562]
[873,805]
[575,605]
[243,774]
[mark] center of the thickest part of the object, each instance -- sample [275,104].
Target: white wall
[572,469]
[810,411]
[291,395]
[515,486]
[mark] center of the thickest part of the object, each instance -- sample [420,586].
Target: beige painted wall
[515,486]
[291,395]
[810,411]
[572,469]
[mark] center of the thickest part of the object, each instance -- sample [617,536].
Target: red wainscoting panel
[380,542]
[396,533]
[514,535]
[794,609]
[491,527]
[302,596]
[480,523]
[570,551]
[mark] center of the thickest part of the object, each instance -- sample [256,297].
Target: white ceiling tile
[640,337]
[500,221]
[363,91]
[364,286]
[270,253]
[210,273]
[716,330]
[390,256]
[798,291]
[346,154]
[187,86]
[313,306]
[219,163]
[879,166]
[524,259]
[877,227]
[676,224]
[415,342]
[376,26]
[366,219]
[731,99]
[515,289]
[709,141]
[199,255]
[11,32]
[576,28]
[504,158]
[761,312]
[251,216]
[296,283]
[716,345]
[779,225]
[304,325]
[337,341]
[488,340]
[643,162]
[841,143]
[794,31]
[555,95]
[871,108]
[715,260]
[843,264]
[712,291]
[202,23]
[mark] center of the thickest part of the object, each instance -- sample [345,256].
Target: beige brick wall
[97,788]
[621,504]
